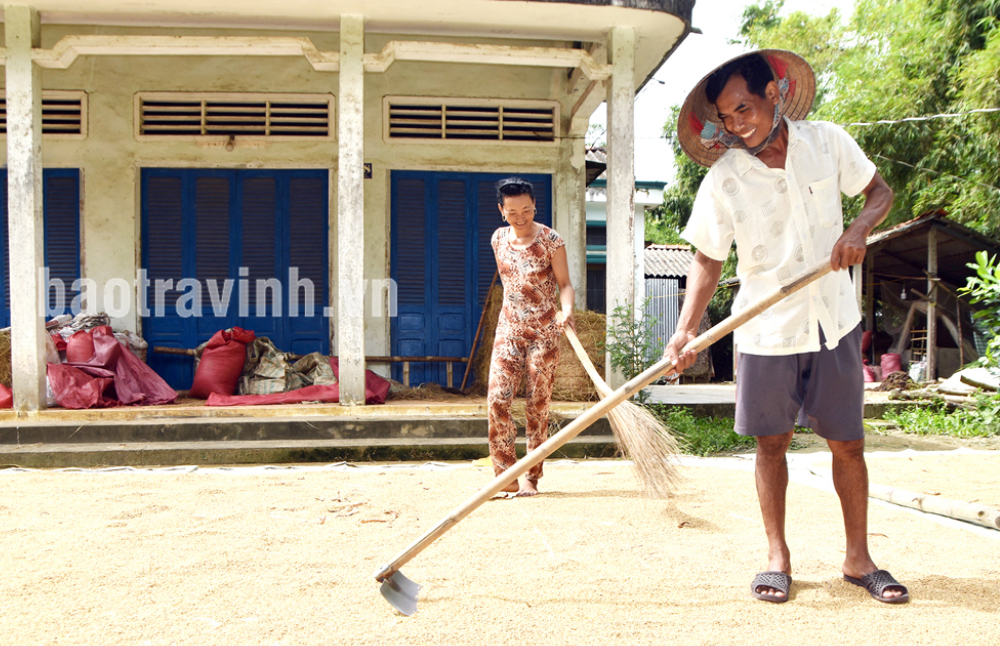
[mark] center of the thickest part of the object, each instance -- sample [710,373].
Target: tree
[903,58]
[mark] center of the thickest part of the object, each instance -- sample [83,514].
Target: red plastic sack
[869,373]
[307,394]
[80,347]
[891,362]
[221,363]
[75,388]
[866,341]
[60,343]
[112,376]
[376,388]
[6,397]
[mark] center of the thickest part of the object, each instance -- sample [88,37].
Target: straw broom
[641,437]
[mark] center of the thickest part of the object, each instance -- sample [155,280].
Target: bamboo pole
[956,509]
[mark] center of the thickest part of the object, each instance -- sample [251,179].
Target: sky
[698,55]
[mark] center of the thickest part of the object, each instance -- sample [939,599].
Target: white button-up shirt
[783,222]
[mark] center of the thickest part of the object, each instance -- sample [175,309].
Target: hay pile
[571,381]
[6,376]
[430,390]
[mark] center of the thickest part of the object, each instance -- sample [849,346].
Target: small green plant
[983,420]
[984,289]
[631,344]
[702,435]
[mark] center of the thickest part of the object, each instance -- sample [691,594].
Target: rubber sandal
[771,579]
[876,584]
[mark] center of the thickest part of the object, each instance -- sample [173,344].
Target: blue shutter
[411,329]
[163,258]
[211,224]
[61,224]
[62,234]
[259,241]
[452,269]
[308,249]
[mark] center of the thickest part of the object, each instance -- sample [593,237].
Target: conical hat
[693,124]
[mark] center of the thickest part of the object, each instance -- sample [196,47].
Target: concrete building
[281,162]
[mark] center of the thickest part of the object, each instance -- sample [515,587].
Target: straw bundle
[6,376]
[426,391]
[571,382]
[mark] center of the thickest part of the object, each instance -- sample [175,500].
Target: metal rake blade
[401,593]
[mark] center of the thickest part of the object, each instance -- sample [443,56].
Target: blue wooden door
[442,262]
[61,224]
[242,248]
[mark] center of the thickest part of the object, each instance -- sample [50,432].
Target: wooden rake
[401,592]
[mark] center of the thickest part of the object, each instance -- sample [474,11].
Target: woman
[531,260]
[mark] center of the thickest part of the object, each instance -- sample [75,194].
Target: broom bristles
[647,442]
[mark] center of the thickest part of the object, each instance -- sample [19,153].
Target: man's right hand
[673,351]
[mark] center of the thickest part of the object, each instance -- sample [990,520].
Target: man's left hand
[850,249]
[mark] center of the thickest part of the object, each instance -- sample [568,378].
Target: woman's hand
[566,317]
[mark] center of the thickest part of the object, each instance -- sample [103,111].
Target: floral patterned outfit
[527,339]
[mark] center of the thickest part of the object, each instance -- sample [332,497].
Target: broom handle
[475,341]
[588,365]
[593,414]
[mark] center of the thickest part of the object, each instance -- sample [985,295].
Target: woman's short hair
[512,187]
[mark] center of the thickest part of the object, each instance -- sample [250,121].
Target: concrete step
[231,452]
[247,429]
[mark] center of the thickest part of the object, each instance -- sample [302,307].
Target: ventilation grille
[278,116]
[454,120]
[64,114]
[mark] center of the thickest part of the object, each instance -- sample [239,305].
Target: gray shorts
[824,391]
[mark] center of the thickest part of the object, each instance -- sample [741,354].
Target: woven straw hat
[697,113]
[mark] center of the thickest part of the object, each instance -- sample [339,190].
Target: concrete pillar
[24,204]
[932,294]
[621,177]
[570,217]
[351,211]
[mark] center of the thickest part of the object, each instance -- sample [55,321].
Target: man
[774,187]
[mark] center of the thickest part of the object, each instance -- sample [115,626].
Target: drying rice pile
[571,381]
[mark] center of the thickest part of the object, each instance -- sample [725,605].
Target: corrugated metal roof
[667,260]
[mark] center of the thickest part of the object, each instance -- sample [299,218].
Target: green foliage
[631,342]
[894,59]
[701,435]
[984,289]
[936,419]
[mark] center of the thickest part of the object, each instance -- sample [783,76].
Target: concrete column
[351,211]
[621,177]
[24,204]
[570,217]
[932,294]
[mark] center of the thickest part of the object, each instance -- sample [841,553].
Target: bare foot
[527,489]
[511,488]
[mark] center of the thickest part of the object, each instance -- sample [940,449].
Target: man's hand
[673,352]
[850,247]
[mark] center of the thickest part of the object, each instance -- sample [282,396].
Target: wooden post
[932,295]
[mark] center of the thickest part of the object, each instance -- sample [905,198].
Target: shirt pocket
[824,201]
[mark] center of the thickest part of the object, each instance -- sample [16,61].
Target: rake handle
[592,414]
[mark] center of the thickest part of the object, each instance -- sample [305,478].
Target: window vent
[270,116]
[456,120]
[64,114]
